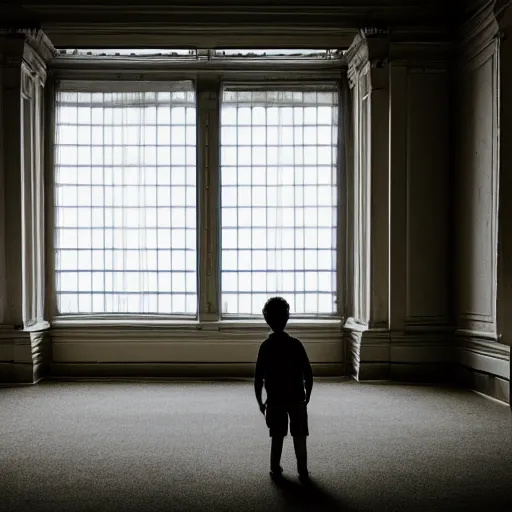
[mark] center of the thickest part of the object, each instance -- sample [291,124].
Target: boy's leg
[301,452]
[276,449]
[299,430]
[277,422]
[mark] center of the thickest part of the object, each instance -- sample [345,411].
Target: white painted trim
[33,76]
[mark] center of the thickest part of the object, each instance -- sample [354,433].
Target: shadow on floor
[309,496]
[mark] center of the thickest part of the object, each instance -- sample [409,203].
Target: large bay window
[128,230]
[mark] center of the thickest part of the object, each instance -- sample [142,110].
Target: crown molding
[239,22]
[126,11]
[158,35]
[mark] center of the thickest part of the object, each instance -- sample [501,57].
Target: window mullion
[208,139]
[49,154]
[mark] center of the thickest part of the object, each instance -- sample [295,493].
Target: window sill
[188,324]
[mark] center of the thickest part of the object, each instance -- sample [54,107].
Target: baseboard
[489,357]
[427,373]
[489,385]
[16,373]
[379,354]
[173,370]
[483,364]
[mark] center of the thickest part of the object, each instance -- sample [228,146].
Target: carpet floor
[194,446]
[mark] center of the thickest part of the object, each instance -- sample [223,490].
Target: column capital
[490,21]
[370,49]
[28,45]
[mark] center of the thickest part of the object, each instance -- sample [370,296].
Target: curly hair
[276,313]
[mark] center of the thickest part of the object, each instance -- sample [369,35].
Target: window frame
[208,78]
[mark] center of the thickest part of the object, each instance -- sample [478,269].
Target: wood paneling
[428,148]
[477,193]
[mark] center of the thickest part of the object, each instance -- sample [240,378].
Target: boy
[284,367]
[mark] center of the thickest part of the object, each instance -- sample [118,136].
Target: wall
[398,240]
[483,360]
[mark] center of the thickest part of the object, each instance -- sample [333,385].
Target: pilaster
[400,323]
[23,58]
[369,252]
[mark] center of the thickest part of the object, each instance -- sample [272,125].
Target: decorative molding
[480,29]
[352,340]
[370,48]
[106,22]
[41,354]
[178,36]
[482,48]
[368,242]
[38,50]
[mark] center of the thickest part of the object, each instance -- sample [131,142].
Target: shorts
[277,419]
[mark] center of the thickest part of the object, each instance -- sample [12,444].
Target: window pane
[125,202]
[279,199]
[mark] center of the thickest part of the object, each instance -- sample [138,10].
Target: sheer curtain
[125,199]
[279,198]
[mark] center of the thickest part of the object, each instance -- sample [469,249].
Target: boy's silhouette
[284,367]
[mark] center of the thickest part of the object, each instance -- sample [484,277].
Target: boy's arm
[258,378]
[308,375]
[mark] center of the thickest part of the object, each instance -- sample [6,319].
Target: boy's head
[276,312]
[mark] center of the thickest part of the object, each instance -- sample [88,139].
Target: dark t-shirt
[283,365]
